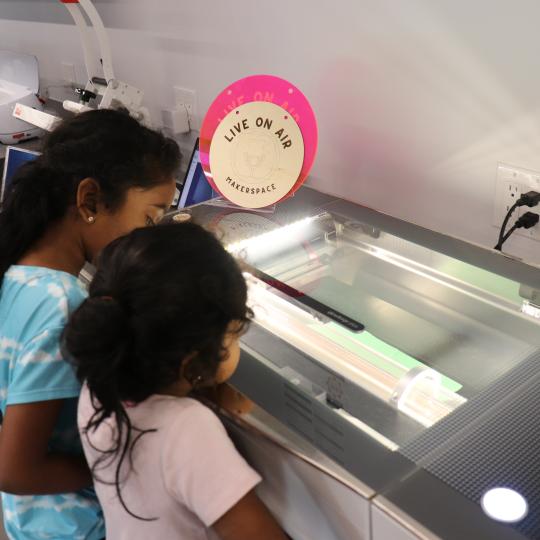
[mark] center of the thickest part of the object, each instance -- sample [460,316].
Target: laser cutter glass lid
[419,307]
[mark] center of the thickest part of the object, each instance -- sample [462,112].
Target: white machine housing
[19,83]
[101,81]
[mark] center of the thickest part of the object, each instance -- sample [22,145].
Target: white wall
[417,100]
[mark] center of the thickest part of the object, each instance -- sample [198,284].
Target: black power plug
[530,199]
[526,221]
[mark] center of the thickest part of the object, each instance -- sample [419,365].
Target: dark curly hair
[160,295]
[107,145]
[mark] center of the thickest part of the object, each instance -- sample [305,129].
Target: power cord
[526,221]
[530,199]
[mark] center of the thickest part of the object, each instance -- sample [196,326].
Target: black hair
[107,145]
[160,295]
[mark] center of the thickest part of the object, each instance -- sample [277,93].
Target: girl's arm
[27,467]
[224,396]
[248,519]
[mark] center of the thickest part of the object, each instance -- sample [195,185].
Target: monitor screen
[15,157]
[196,188]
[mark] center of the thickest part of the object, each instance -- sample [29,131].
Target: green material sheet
[354,343]
[483,279]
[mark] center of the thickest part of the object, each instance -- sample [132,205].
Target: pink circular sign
[262,88]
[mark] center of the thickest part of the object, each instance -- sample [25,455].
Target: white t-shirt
[187,474]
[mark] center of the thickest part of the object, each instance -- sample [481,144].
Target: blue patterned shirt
[35,304]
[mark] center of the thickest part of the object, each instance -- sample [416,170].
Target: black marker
[308,301]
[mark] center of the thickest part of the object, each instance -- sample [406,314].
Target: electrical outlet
[68,73]
[511,183]
[184,97]
[508,192]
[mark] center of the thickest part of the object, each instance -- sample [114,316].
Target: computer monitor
[196,188]
[15,157]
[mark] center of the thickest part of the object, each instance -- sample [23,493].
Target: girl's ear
[88,196]
[191,372]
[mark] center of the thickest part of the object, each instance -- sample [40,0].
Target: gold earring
[197,381]
[91,219]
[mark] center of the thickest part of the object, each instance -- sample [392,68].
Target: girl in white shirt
[164,315]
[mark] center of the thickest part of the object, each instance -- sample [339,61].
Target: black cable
[530,199]
[526,221]
[499,245]
[506,220]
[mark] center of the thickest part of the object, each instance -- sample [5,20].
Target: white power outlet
[511,183]
[68,73]
[185,98]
